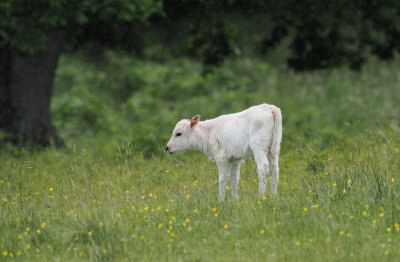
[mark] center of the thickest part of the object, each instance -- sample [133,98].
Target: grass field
[101,199]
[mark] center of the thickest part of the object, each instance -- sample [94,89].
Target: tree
[208,34]
[320,34]
[333,32]
[32,37]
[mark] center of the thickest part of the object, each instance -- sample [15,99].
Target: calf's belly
[241,154]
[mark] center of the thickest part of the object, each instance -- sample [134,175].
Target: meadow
[112,194]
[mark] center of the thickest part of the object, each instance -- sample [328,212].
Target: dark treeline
[319,34]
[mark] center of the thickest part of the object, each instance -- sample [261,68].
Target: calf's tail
[277,132]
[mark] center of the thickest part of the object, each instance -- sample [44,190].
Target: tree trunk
[6,111]
[27,97]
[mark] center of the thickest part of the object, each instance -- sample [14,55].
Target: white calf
[255,132]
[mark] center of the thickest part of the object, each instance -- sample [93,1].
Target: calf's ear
[194,121]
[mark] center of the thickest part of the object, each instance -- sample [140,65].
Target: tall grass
[110,196]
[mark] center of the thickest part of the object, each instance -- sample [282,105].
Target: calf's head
[182,136]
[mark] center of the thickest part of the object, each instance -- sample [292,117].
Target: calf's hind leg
[234,176]
[273,159]
[262,163]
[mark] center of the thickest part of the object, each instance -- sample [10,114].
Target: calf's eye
[178,134]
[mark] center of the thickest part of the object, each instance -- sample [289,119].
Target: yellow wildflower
[328,240]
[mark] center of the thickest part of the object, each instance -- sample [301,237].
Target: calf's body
[253,133]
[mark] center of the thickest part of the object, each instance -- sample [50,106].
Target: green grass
[123,207]
[102,199]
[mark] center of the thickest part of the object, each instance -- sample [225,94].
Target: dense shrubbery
[319,34]
[139,101]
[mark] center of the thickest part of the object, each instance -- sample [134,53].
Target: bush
[319,108]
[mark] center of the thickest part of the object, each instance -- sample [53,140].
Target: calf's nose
[166,149]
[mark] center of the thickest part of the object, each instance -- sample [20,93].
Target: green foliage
[5,143]
[320,34]
[139,101]
[24,25]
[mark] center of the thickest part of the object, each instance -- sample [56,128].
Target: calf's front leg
[223,177]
